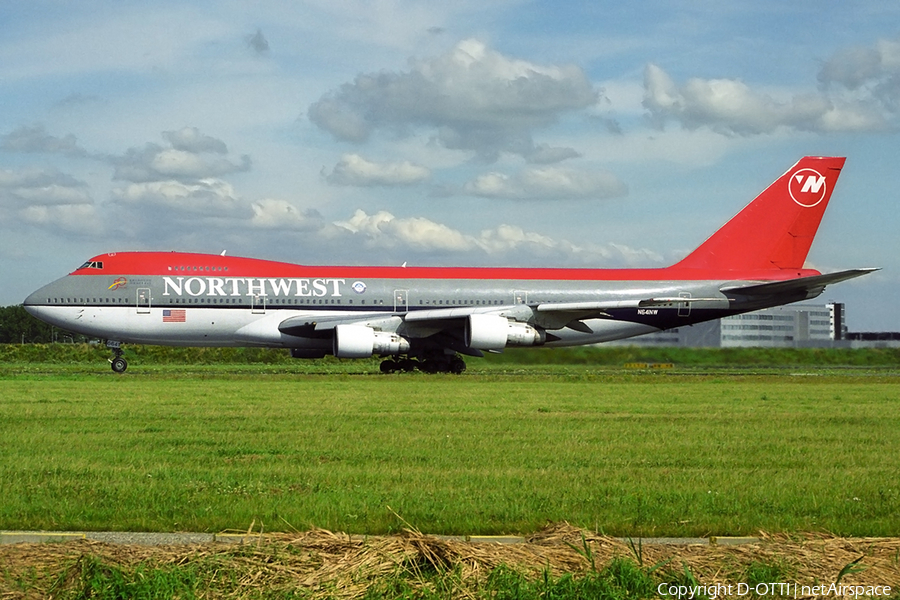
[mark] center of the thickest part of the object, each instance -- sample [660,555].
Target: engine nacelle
[523,334]
[492,332]
[359,341]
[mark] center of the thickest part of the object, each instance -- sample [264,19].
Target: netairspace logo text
[795,590]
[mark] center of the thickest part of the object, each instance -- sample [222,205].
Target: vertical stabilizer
[776,230]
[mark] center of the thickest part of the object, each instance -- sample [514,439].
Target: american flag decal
[176,315]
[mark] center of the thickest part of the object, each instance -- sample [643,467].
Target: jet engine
[359,341]
[492,332]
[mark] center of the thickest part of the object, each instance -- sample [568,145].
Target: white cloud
[418,233]
[851,67]
[355,170]
[193,156]
[547,183]
[472,98]
[53,194]
[212,196]
[857,66]
[339,119]
[510,237]
[513,240]
[504,244]
[30,177]
[190,139]
[37,186]
[76,218]
[280,214]
[731,107]
[544,154]
[869,74]
[35,139]
[181,163]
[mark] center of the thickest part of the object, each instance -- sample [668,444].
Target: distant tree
[17,326]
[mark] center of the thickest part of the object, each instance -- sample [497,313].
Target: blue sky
[463,133]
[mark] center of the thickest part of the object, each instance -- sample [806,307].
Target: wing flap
[519,312]
[587,306]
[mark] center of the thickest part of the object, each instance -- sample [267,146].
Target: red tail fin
[776,230]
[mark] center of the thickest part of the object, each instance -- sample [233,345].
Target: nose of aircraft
[34,303]
[34,299]
[38,302]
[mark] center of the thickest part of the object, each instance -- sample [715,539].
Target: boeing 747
[426,317]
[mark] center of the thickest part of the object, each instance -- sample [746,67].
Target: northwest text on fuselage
[252,286]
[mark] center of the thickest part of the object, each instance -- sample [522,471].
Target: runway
[176,539]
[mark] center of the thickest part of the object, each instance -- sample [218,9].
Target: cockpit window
[92,264]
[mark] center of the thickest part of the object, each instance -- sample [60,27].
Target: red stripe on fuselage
[186,264]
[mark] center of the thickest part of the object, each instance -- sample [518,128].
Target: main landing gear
[117,363]
[439,363]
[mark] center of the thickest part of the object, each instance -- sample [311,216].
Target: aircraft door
[684,308]
[143,301]
[258,304]
[520,297]
[401,303]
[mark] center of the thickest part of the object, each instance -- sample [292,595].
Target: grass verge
[559,562]
[682,453]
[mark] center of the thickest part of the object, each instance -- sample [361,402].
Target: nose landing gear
[117,363]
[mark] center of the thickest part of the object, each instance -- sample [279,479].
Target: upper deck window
[92,264]
[195,268]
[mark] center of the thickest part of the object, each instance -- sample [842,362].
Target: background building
[874,339]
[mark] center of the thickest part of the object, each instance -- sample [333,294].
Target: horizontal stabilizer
[812,285]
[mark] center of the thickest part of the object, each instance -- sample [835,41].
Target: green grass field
[504,448]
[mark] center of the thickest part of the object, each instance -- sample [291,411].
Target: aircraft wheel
[119,364]
[407,365]
[457,365]
[388,366]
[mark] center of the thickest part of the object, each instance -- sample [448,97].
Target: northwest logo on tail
[807,187]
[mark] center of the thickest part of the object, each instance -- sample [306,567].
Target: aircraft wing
[810,286]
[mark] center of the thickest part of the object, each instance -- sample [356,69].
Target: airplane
[426,317]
